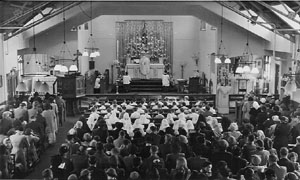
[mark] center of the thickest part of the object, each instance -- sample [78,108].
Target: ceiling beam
[15,18]
[276,10]
[260,24]
[69,6]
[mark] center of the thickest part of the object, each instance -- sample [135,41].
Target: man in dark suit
[284,161]
[296,149]
[145,150]
[147,165]
[295,132]
[222,154]
[196,163]
[96,172]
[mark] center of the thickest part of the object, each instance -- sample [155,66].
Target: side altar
[156,71]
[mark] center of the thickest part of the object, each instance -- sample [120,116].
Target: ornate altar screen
[152,36]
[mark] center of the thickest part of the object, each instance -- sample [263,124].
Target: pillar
[2,71]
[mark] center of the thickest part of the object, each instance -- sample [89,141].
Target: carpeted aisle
[45,157]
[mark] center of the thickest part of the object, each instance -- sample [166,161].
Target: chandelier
[247,60]
[61,67]
[91,50]
[221,54]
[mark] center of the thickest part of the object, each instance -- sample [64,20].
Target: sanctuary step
[149,85]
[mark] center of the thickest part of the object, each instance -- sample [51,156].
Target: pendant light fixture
[247,59]
[37,85]
[61,67]
[21,88]
[91,49]
[222,54]
[34,49]
[44,88]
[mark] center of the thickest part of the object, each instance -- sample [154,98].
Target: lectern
[72,88]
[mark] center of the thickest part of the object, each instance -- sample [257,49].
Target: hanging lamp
[34,49]
[239,70]
[247,53]
[73,67]
[22,88]
[37,85]
[246,69]
[91,50]
[61,67]
[222,47]
[57,67]
[44,88]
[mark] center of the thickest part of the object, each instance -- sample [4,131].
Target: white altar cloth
[156,71]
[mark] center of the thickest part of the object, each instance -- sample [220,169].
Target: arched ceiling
[16,16]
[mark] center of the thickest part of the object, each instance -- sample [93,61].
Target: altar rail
[210,98]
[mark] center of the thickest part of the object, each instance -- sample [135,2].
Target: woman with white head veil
[190,125]
[169,118]
[148,130]
[164,124]
[181,122]
[112,120]
[138,125]
[127,125]
[143,119]
[126,118]
[215,126]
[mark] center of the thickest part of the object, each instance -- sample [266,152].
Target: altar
[156,71]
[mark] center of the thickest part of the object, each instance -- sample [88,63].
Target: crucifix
[77,54]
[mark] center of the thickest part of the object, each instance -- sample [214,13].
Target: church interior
[97,54]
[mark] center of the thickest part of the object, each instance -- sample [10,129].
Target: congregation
[154,139]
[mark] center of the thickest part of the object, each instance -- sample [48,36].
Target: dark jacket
[287,163]
[282,132]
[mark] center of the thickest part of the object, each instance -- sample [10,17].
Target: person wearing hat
[144,65]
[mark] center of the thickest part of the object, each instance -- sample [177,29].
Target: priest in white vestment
[144,65]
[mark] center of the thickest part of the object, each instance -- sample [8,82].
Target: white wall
[50,42]
[2,70]
[185,40]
